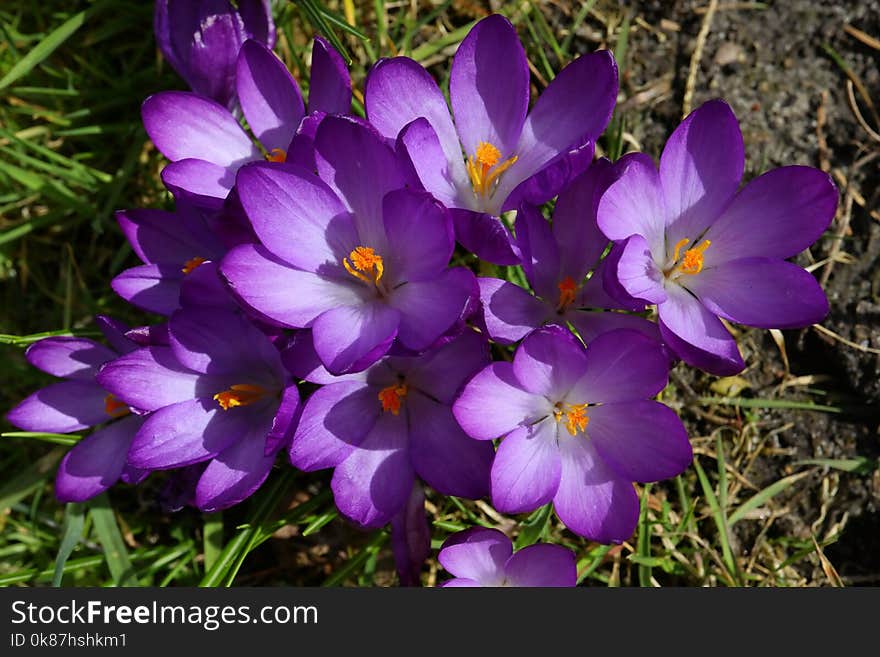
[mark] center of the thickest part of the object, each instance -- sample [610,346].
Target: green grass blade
[744,402]
[110,538]
[315,526]
[213,538]
[357,560]
[718,517]
[33,478]
[68,440]
[43,49]
[533,528]
[74,519]
[643,546]
[860,465]
[763,496]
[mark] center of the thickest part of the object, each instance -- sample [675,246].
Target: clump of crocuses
[315,311]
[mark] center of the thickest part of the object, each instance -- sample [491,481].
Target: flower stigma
[392,397]
[692,261]
[366,265]
[191,264]
[115,408]
[276,155]
[240,394]
[567,293]
[485,168]
[575,416]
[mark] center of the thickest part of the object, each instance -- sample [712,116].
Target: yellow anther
[364,260]
[276,155]
[191,264]
[692,260]
[485,167]
[240,394]
[575,416]
[392,397]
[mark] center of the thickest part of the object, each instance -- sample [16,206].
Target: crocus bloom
[201,40]
[356,259]
[382,428]
[411,538]
[485,557]
[699,249]
[217,393]
[176,247]
[578,427]
[485,163]
[206,144]
[98,461]
[556,261]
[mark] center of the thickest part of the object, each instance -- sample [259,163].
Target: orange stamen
[115,408]
[240,394]
[567,292]
[191,264]
[392,397]
[576,419]
[692,260]
[276,155]
[480,168]
[364,260]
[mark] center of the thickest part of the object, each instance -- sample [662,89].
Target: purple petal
[634,205]
[761,292]
[199,182]
[541,565]
[296,216]
[593,501]
[234,474]
[96,462]
[442,455]
[540,253]
[486,236]
[428,308]
[411,538]
[301,360]
[154,288]
[257,18]
[549,362]
[396,92]
[576,106]
[61,408]
[69,358]
[477,554]
[188,432]
[493,403]
[185,125]
[269,96]
[361,168]
[351,338]
[219,342]
[489,86]
[696,335]
[591,324]
[203,287]
[776,215]
[621,366]
[442,371]
[289,296]
[420,144]
[285,420]
[603,288]
[150,378]
[640,440]
[420,236]
[461,582]
[335,420]
[552,178]
[329,81]
[526,470]
[373,484]
[700,169]
[114,332]
[157,236]
[510,312]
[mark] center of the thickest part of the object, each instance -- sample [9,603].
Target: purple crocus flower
[486,162]
[348,254]
[98,461]
[699,249]
[382,428]
[180,253]
[578,427]
[485,557]
[556,261]
[217,393]
[201,40]
[206,144]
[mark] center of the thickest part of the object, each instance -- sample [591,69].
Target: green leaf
[315,526]
[533,528]
[643,546]
[860,464]
[30,480]
[213,538]
[43,49]
[768,403]
[71,533]
[68,440]
[110,538]
[763,496]
[719,518]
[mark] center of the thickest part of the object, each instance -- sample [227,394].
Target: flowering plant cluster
[311,249]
